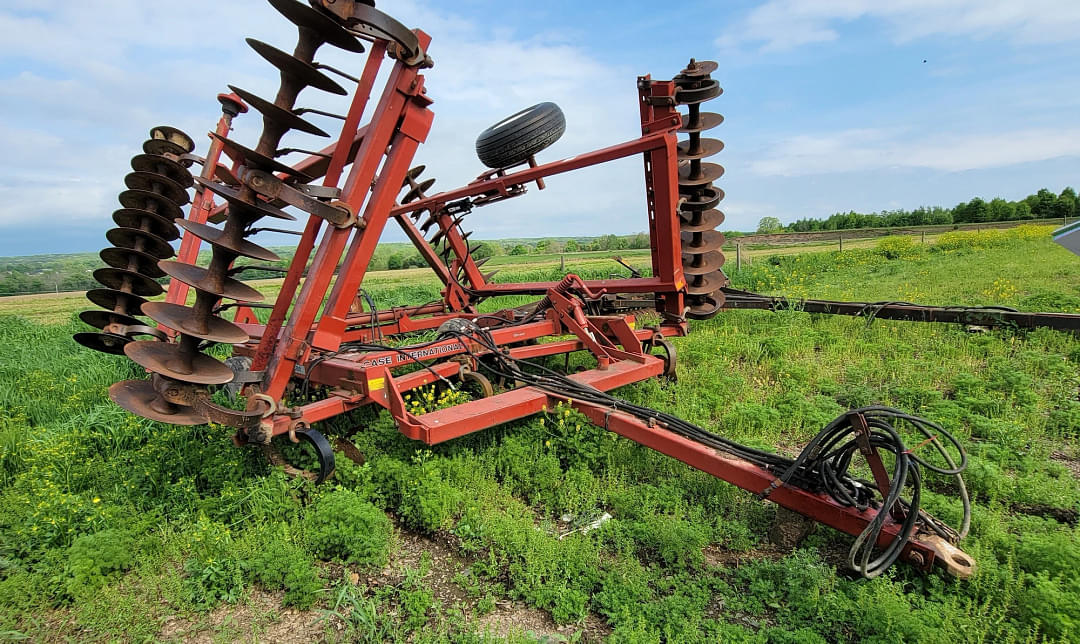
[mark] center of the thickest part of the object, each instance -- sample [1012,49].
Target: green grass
[186,526]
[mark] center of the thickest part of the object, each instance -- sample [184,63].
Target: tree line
[74,272]
[1042,205]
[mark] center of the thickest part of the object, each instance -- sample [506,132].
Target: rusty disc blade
[693,222]
[196,276]
[418,191]
[107,298]
[155,203]
[277,114]
[704,121]
[226,176]
[253,159]
[132,260]
[700,198]
[705,284]
[183,319]
[705,90]
[699,68]
[147,222]
[171,361]
[140,240]
[296,68]
[164,166]
[701,241]
[330,31]
[100,319]
[707,173]
[173,135]
[104,342]
[702,264]
[161,147]
[412,174]
[704,307]
[139,397]
[159,184]
[706,148]
[258,208]
[216,236]
[137,283]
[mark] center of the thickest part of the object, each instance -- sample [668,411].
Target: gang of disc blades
[138,396]
[143,200]
[253,159]
[329,30]
[195,276]
[706,148]
[169,360]
[109,298]
[296,68]
[100,319]
[183,318]
[259,208]
[165,166]
[121,258]
[140,240]
[709,220]
[278,114]
[146,221]
[139,284]
[216,236]
[702,264]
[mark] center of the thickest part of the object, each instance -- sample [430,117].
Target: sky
[829,105]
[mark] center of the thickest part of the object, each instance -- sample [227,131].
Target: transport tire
[517,137]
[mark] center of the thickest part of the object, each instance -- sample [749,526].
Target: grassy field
[116,528]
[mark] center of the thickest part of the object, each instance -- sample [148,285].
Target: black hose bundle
[827,458]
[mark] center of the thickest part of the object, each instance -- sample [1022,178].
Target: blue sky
[828,103]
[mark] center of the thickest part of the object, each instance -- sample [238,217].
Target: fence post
[922,236]
[841,243]
[738,256]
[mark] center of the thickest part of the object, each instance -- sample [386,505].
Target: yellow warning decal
[376,384]
[679,285]
[632,324]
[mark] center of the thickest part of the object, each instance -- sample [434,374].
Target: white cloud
[84,83]
[868,149]
[782,25]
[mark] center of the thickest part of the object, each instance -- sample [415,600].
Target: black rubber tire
[517,137]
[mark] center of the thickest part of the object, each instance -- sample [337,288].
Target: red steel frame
[309,323]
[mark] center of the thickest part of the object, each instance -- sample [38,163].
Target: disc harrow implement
[323,348]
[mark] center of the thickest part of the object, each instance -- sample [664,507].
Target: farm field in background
[114,527]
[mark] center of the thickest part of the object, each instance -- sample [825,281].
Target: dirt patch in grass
[1072,463]
[260,618]
[513,618]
